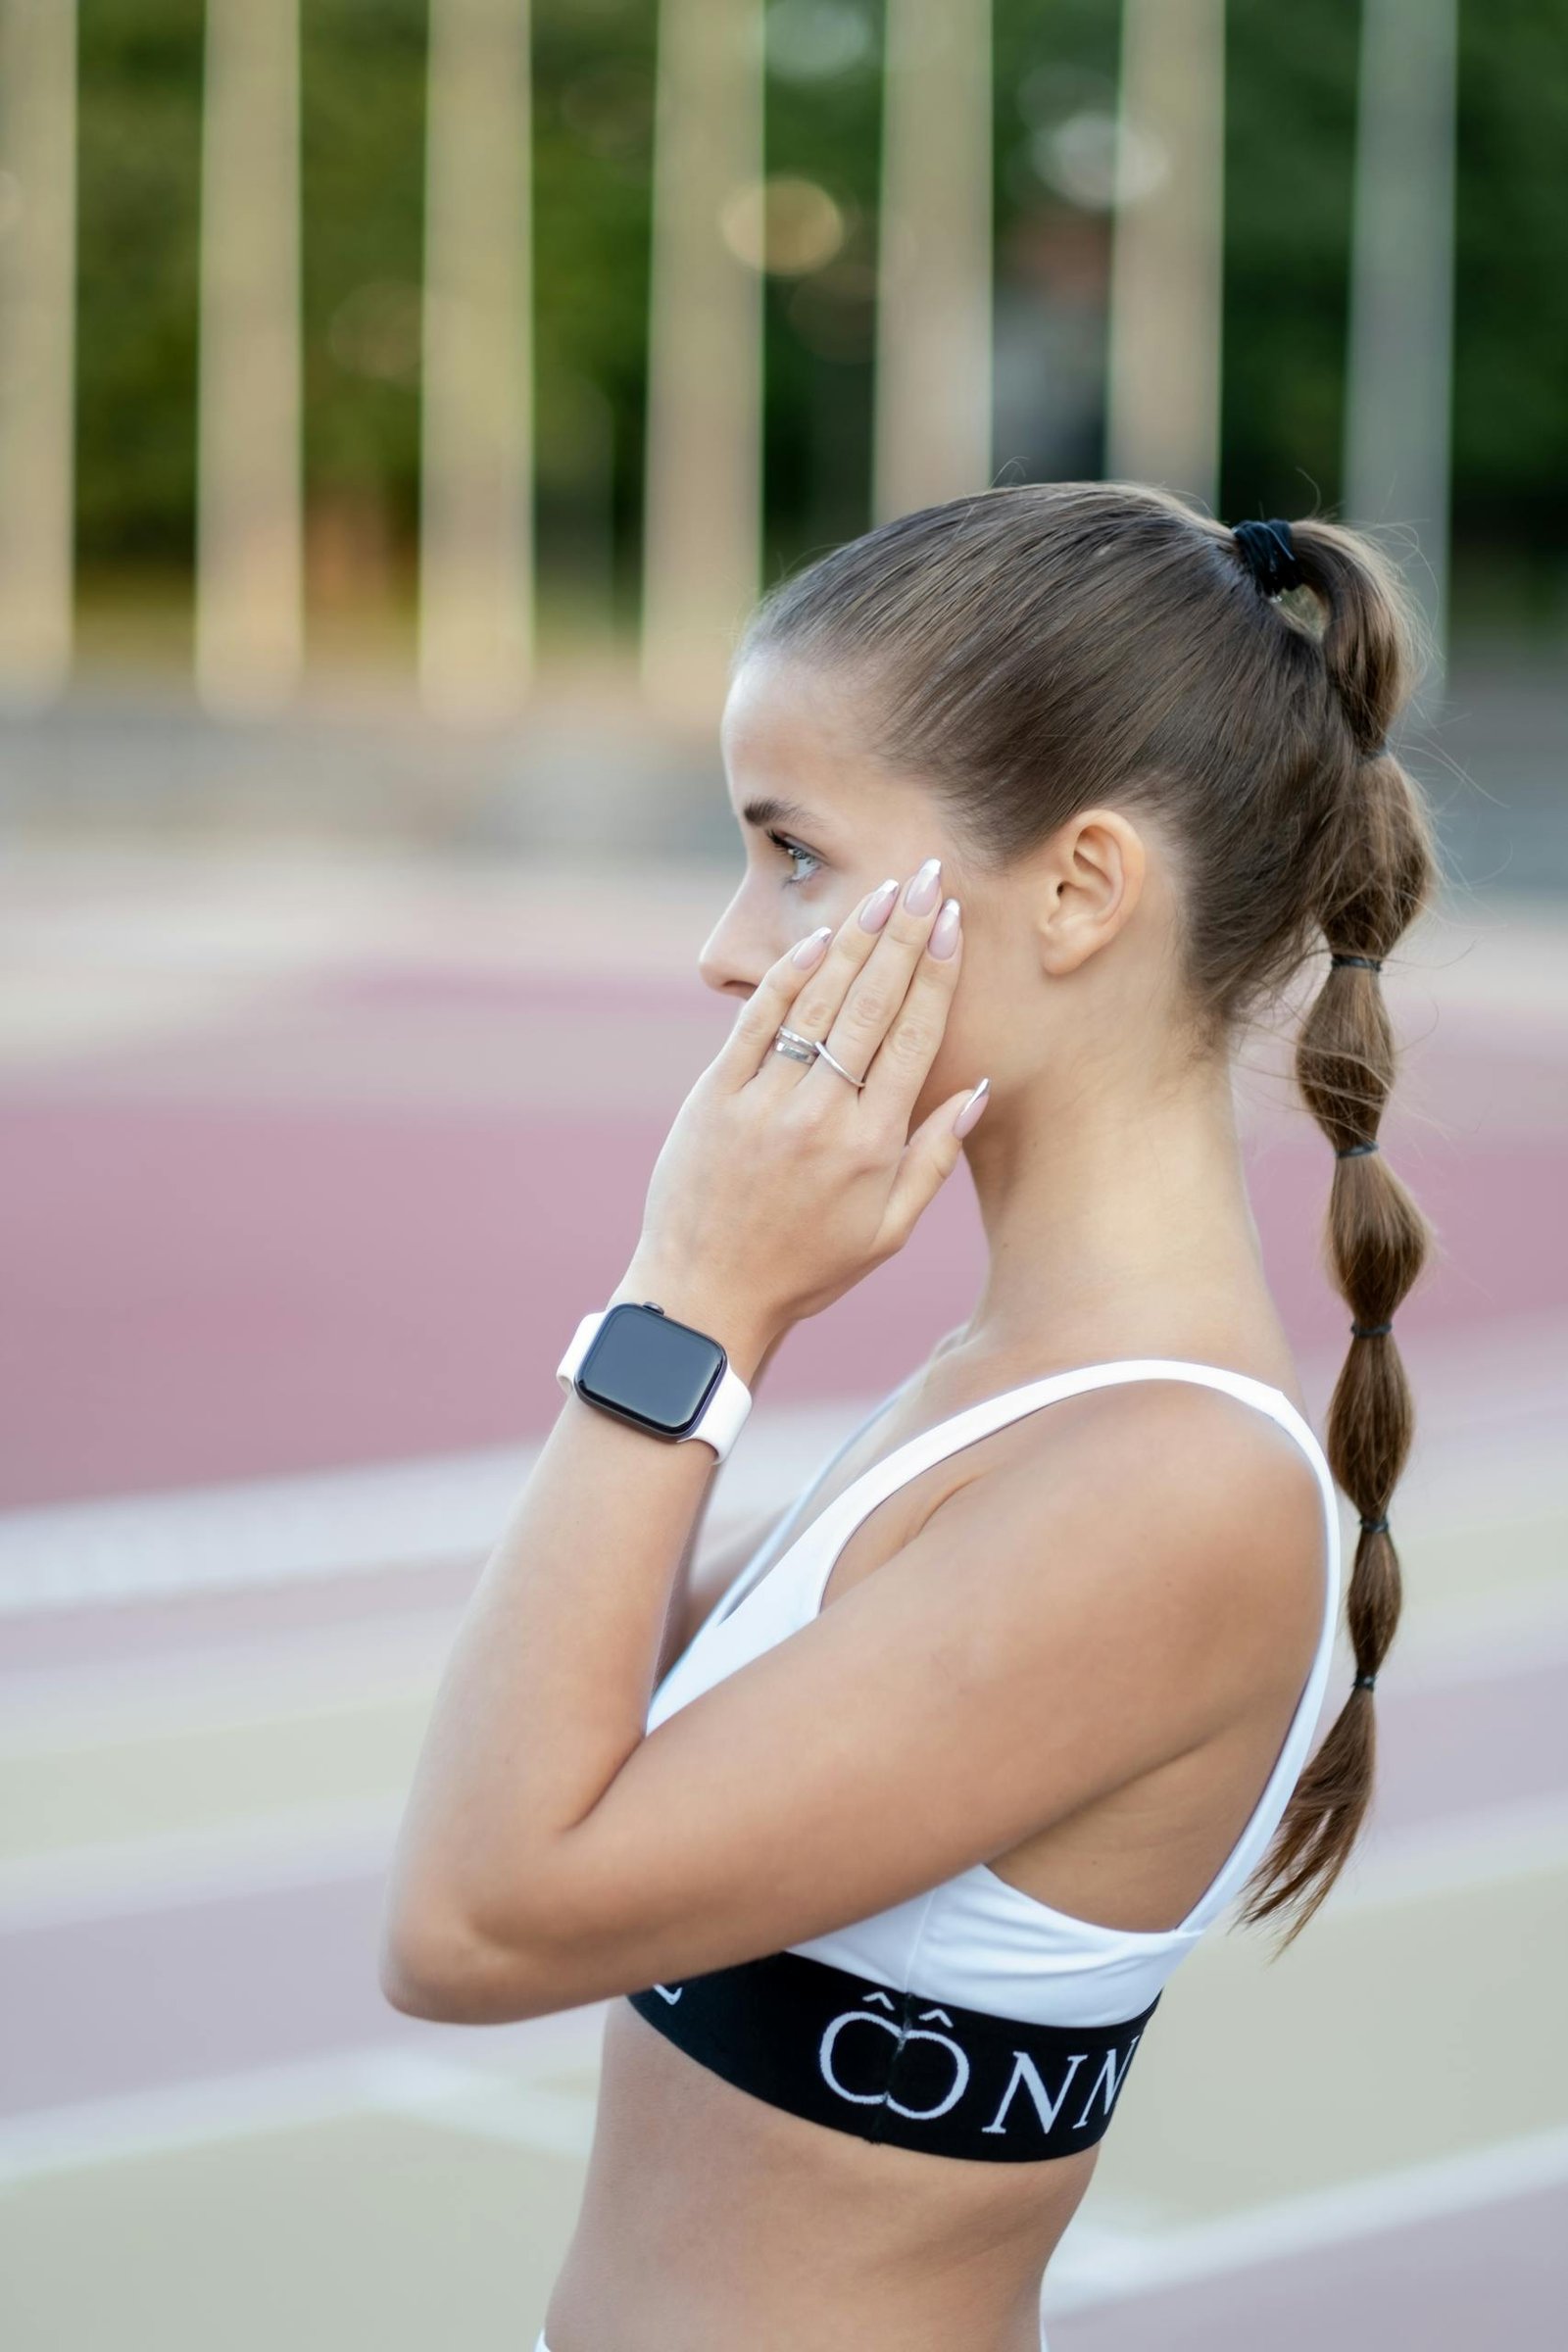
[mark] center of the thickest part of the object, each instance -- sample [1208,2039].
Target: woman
[926,1810]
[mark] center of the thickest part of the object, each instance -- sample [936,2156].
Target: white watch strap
[724,1416]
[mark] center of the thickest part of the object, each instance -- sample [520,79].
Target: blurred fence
[721,224]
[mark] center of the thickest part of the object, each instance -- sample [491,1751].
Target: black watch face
[651,1370]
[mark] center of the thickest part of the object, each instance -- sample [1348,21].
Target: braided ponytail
[1377,868]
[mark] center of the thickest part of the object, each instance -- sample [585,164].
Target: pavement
[315,1151]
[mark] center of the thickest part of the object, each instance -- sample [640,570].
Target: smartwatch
[643,1366]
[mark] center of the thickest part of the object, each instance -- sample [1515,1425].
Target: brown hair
[1035,649]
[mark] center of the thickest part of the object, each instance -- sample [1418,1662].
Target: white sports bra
[974,1939]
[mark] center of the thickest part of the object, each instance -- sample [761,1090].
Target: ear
[1093,878]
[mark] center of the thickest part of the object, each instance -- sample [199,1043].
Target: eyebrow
[773,811]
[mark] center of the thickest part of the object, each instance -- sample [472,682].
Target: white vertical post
[703,493]
[1398,413]
[476,531]
[37,309]
[1163,395]
[933,421]
[249,532]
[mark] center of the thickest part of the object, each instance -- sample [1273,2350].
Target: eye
[793,849]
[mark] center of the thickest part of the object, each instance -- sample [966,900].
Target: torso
[870,2248]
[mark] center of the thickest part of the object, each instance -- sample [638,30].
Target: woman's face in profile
[822,824]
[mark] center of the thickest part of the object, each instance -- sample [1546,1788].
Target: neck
[1112,1214]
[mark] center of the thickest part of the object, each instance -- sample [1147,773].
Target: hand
[780,1184]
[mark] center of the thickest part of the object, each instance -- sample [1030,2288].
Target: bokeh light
[785,226]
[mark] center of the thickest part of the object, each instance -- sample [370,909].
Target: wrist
[747,1336]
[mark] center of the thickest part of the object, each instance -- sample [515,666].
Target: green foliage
[1511,324]
[1290,128]
[1289,141]
[593,136]
[139,172]
[820,324]
[361,141]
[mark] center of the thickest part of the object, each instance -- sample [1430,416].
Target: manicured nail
[921,895]
[945,930]
[810,949]
[879,906]
[972,1109]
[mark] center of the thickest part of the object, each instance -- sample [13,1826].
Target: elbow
[450,1973]
[417,1981]
[422,1973]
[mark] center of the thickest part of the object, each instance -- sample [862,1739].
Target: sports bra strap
[769,1548]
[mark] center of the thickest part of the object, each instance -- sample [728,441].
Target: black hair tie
[1269,554]
[1370,1331]
[1354,1151]
[1364,1681]
[1376,1527]
[1373,963]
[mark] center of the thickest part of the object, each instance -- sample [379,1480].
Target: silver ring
[798,1048]
[856,1083]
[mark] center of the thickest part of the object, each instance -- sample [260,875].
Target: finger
[903,1059]
[875,995]
[807,999]
[930,1156]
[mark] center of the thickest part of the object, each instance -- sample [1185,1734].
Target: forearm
[546,1692]
[681,1619]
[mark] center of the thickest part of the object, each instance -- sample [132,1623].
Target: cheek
[968,1051]
[951,1065]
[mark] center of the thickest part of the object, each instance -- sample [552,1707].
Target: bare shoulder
[1151,1524]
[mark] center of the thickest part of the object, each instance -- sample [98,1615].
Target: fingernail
[972,1109]
[921,895]
[945,930]
[810,949]
[879,906]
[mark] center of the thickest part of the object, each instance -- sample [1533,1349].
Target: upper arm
[1061,1624]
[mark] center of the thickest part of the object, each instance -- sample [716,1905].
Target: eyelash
[793,849]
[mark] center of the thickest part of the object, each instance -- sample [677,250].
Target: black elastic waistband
[897,2067]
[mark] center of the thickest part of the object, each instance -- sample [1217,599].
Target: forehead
[798,733]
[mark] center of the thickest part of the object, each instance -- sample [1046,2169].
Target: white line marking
[268,1532]
[520,2115]
[282,1672]
[1519,1633]
[265,1531]
[392,2078]
[1111,2265]
[231,1861]
[1488,1451]
[1457,1853]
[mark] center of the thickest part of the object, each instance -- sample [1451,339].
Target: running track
[312,1165]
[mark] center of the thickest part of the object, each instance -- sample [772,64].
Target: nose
[731,962]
